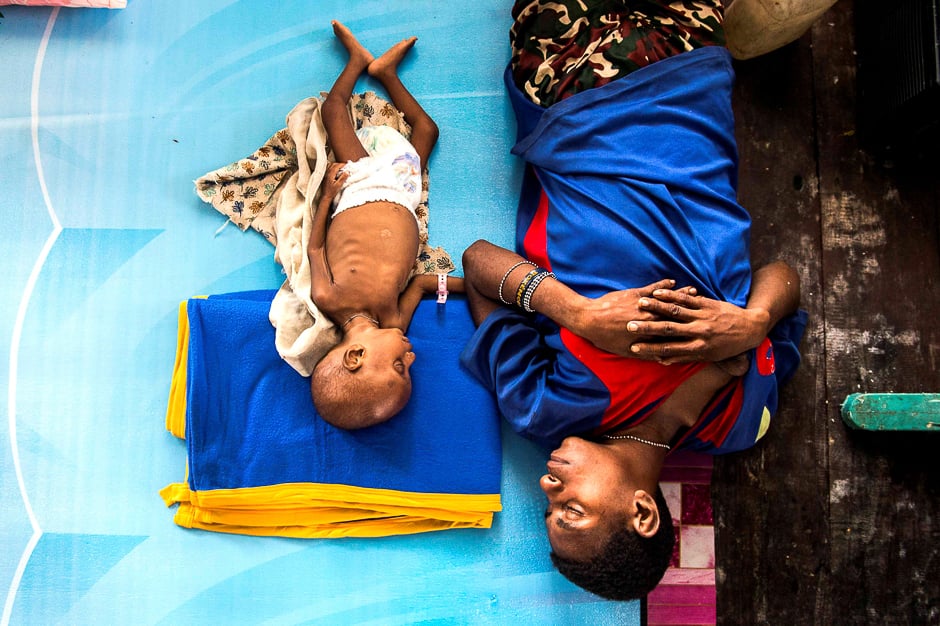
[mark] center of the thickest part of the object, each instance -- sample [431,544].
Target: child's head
[365,379]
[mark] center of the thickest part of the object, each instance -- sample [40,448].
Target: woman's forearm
[496,277]
[488,268]
[775,288]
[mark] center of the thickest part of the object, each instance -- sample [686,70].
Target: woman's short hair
[628,566]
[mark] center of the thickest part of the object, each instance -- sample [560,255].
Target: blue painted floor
[106,117]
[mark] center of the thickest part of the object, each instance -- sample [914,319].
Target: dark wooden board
[881,271]
[770,502]
[821,524]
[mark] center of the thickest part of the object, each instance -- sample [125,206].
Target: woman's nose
[549,483]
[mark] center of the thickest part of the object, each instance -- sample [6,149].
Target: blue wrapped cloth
[624,185]
[261,461]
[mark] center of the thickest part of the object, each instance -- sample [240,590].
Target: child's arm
[420,285]
[321,278]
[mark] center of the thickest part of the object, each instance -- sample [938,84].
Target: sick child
[364,243]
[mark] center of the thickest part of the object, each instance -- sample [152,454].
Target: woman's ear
[353,357]
[645,520]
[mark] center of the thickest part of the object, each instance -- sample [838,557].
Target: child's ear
[354,357]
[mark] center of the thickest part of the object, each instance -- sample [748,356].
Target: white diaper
[391,172]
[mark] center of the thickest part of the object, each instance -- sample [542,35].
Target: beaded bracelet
[525,285]
[499,291]
[530,290]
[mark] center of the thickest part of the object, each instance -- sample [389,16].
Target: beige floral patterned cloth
[275,193]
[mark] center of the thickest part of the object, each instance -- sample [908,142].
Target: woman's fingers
[685,297]
[667,353]
[657,329]
[665,284]
[671,309]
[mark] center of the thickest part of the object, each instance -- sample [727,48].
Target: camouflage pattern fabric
[562,47]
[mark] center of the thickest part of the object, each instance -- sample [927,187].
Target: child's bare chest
[375,246]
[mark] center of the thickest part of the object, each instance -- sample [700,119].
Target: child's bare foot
[388,62]
[358,54]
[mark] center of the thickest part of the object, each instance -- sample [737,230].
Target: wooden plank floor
[819,524]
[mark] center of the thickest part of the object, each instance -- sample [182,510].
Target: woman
[629,323]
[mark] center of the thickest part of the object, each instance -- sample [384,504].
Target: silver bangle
[499,291]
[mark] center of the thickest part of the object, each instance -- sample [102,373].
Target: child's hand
[333,180]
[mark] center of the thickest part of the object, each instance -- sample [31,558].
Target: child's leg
[335,109]
[424,131]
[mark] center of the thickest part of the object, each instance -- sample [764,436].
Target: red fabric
[636,387]
[535,243]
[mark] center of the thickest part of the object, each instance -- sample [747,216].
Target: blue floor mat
[106,118]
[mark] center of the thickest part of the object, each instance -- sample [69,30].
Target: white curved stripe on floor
[21,317]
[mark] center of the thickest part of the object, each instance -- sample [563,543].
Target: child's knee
[333,111]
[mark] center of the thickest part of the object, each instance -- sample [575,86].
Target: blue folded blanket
[261,461]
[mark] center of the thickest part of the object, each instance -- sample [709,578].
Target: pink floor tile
[673,494]
[696,504]
[697,547]
[681,615]
[682,595]
[686,595]
[679,576]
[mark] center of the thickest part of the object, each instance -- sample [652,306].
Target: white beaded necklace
[640,439]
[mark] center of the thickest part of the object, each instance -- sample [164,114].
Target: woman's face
[587,497]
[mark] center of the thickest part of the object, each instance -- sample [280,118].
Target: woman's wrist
[760,323]
[563,305]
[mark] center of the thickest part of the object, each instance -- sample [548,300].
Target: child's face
[387,359]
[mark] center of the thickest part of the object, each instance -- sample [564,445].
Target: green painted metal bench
[892,411]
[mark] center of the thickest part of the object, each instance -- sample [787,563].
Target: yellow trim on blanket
[327,510]
[176,406]
[366,528]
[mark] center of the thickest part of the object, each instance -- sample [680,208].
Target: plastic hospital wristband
[442,288]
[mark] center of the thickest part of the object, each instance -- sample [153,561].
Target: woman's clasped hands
[660,323]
